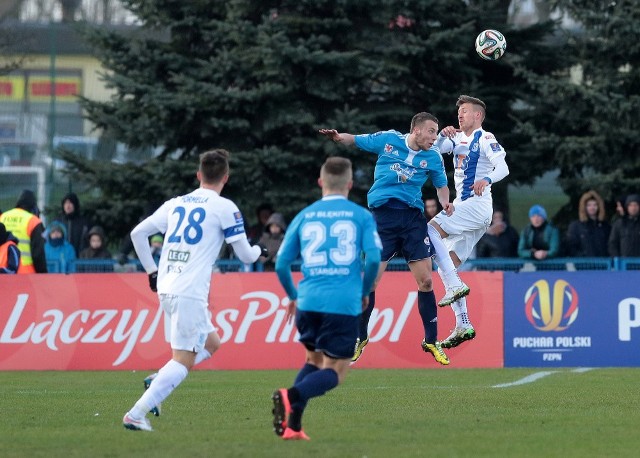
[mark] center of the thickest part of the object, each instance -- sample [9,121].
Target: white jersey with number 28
[195,225]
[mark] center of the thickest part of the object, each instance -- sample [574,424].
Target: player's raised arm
[335,136]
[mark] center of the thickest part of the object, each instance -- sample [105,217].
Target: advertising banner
[569,319]
[112,321]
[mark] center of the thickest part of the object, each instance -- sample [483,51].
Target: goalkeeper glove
[263,250]
[153,281]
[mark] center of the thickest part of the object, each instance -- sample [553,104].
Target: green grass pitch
[375,413]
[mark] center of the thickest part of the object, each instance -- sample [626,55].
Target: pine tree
[585,120]
[261,77]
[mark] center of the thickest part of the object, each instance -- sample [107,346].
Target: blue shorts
[403,231]
[333,334]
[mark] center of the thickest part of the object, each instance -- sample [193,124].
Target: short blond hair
[473,101]
[336,173]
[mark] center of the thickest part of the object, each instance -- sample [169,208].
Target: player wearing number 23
[331,235]
[195,225]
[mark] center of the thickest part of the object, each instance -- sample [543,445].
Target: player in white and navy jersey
[195,225]
[479,161]
[405,162]
[331,235]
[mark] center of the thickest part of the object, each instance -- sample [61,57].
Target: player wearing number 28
[195,225]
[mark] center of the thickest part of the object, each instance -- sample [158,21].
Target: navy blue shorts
[403,231]
[333,334]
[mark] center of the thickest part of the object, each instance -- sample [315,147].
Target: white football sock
[460,309]
[446,268]
[168,378]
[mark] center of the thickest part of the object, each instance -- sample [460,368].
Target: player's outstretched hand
[332,134]
[153,281]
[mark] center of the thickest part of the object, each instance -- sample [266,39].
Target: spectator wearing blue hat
[539,240]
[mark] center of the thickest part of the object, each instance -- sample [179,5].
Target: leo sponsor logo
[489,137]
[178,256]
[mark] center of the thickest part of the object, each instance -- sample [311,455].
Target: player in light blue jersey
[405,162]
[195,225]
[479,161]
[331,235]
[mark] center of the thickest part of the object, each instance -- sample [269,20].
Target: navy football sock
[306,370]
[317,384]
[313,385]
[366,315]
[429,314]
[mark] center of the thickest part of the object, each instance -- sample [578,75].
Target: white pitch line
[528,379]
[537,376]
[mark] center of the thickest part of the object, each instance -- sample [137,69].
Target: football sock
[315,384]
[460,309]
[447,269]
[429,314]
[312,385]
[366,315]
[306,370]
[202,355]
[168,378]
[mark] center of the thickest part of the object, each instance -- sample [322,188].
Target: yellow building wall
[92,86]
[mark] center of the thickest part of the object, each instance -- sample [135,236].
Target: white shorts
[190,322]
[466,225]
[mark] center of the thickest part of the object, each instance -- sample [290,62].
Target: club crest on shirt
[423,164]
[388,149]
[474,147]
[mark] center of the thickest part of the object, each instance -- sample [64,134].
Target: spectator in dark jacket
[589,235]
[272,239]
[625,233]
[500,240]
[539,240]
[263,212]
[75,223]
[97,245]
